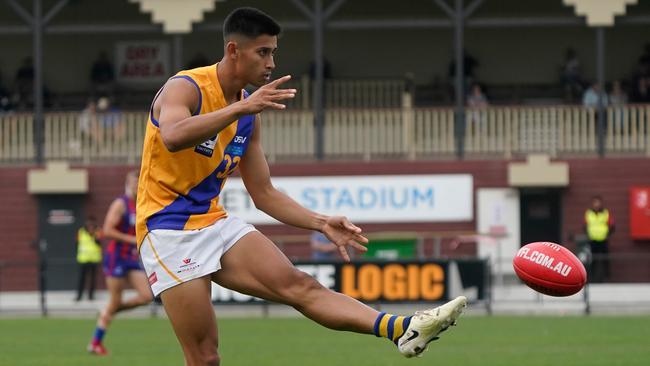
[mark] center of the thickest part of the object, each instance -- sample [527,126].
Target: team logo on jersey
[206,148]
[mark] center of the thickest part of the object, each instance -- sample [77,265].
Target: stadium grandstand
[452,131]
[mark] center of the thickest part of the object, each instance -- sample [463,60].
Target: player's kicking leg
[256,267]
[268,274]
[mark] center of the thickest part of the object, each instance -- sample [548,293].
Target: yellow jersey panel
[180,190]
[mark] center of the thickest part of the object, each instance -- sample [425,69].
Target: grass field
[477,341]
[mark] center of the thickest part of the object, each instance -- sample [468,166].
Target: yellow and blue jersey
[180,190]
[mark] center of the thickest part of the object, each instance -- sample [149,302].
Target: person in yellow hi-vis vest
[599,226]
[89,255]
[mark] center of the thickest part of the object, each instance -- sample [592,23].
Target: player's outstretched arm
[256,176]
[180,130]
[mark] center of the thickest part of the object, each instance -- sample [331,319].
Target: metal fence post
[42,279]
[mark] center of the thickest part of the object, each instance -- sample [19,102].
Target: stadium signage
[393,282]
[389,282]
[366,199]
[142,62]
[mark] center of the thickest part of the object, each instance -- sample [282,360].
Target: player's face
[596,204]
[91,225]
[131,185]
[255,61]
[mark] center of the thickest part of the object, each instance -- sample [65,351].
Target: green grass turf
[477,341]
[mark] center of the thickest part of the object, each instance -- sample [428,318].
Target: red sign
[142,62]
[640,213]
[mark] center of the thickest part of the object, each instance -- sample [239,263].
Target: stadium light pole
[318,17]
[178,51]
[460,74]
[600,76]
[458,15]
[319,112]
[39,120]
[37,22]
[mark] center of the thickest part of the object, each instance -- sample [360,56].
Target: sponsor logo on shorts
[188,266]
[153,279]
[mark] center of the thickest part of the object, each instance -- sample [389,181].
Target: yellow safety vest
[88,249]
[597,225]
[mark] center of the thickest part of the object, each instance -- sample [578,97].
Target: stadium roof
[70,16]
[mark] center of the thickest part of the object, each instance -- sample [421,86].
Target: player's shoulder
[200,76]
[120,201]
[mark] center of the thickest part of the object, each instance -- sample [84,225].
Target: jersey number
[231,165]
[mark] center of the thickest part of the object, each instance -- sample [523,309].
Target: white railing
[355,133]
[16,137]
[518,130]
[288,134]
[556,130]
[68,136]
[120,139]
[360,133]
[628,129]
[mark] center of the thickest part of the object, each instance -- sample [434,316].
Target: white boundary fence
[354,133]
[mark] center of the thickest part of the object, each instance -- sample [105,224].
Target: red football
[550,268]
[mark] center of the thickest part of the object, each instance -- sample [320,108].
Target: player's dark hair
[251,23]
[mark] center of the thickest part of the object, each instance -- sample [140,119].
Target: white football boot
[426,325]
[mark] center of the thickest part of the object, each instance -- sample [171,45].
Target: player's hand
[342,233]
[268,96]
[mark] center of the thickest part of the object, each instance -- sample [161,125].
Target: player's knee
[212,359]
[209,352]
[106,317]
[301,286]
[146,298]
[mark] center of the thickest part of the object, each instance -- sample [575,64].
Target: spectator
[5,97]
[593,96]
[110,120]
[89,255]
[571,76]
[469,66]
[102,75]
[327,69]
[24,84]
[617,97]
[599,226]
[322,249]
[199,60]
[641,92]
[88,123]
[645,57]
[641,78]
[476,99]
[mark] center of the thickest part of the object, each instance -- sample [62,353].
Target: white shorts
[171,257]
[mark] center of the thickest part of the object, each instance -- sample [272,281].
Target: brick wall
[607,177]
